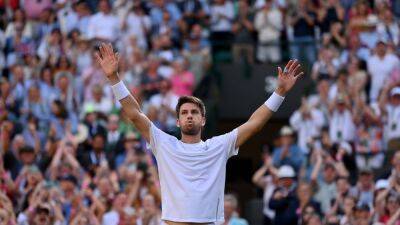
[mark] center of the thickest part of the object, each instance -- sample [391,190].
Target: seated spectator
[243,31]
[288,153]
[182,80]
[230,210]
[103,26]
[284,198]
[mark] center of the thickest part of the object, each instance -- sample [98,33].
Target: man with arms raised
[192,171]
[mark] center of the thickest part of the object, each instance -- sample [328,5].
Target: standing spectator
[197,54]
[243,31]
[165,103]
[341,125]
[328,13]
[303,21]
[192,12]
[222,15]
[307,122]
[137,24]
[104,26]
[288,153]
[380,65]
[388,28]
[19,22]
[230,211]
[35,8]
[182,80]
[268,184]
[269,23]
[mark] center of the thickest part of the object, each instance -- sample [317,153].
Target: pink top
[34,8]
[183,83]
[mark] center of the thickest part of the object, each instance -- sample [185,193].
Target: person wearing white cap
[391,115]
[288,153]
[284,200]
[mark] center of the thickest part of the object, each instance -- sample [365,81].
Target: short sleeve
[230,142]
[157,137]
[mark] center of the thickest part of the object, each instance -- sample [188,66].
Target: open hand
[288,77]
[108,61]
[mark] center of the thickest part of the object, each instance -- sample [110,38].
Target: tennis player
[192,171]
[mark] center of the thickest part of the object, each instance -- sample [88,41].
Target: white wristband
[120,90]
[274,101]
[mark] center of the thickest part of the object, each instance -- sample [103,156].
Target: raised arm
[286,80]
[109,63]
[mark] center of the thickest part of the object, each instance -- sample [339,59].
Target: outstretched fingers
[299,75]
[98,57]
[293,66]
[280,71]
[297,70]
[287,67]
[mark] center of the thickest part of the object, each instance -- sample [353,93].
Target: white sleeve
[157,137]
[229,141]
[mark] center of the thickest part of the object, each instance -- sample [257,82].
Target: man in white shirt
[391,112]
[380,65]
[103,25]
[341,123]
[308,122]
[269,24]
[192,171]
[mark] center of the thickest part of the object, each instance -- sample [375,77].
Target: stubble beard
[192,131]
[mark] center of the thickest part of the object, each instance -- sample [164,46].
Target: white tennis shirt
[192,176]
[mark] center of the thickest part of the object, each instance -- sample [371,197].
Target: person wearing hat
[43,214]
[341,123]
[284,200]
[391,111]
[288,153]
[362,214]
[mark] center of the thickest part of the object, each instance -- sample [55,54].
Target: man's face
[98,143]
[329,174]
[229,208]
[381,49]
[190,119]
[113,123]
[365,179]
[287,140]
[104,7]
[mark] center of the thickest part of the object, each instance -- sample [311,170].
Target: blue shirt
[294,158]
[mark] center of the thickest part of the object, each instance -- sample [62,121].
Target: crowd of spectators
[338,159]
[69,156]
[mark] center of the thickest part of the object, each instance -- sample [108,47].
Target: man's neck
[191,139]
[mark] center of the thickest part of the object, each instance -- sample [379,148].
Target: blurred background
[330,155]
